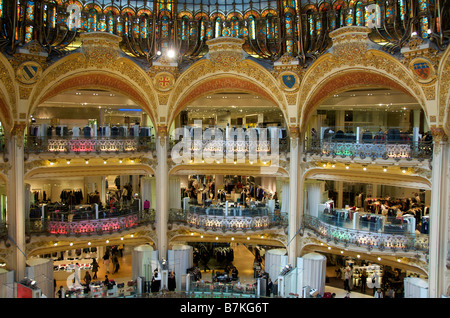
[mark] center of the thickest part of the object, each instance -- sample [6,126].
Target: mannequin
[75,131]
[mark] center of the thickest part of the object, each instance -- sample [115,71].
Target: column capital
[18,130]
[439,137]
[294,132]
[438,134]
[162,132]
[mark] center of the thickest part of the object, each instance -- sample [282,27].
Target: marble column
[16,200]
[294,202]
[162,192]
[438,237]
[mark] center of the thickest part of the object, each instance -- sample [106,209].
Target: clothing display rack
[71,196]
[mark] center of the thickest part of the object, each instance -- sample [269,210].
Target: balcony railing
[420,150]
[370,142]
[248,149]
[217,220]
[86,224]
[95,144]
[107,224]
[366,239]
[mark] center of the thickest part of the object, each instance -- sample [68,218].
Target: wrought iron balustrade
[246,147]
[96,144]
[64,224]
[366,239]
[251,222]
[419,150]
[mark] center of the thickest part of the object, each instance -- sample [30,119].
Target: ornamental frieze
[444,89]
[430,92]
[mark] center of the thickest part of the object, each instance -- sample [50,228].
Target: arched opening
[93,149]
[228,195]
[363,182]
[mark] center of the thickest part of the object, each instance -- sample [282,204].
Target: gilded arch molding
[8,103]
[332,73]
[224,73]
[444,91]
[84,70]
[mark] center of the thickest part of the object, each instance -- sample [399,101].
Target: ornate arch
[100,65]
[353,62]
[338,82]
[224,71]
[444,91]
[8,92]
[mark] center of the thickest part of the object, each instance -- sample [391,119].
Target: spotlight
[171,53]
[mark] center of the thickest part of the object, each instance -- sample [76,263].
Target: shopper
[87,278]
[106,261]
[115,262]
[390,293]
[347,278]
[60,293]
[171,281]
[156,282]
[378,294]
[363,281]
[95,268]
[275,288]
[77,273]
[269,287]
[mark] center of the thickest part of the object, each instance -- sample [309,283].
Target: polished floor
[243,260]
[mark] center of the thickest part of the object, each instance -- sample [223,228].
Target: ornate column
[162,191]
[295,201]
[438,236]
[16,200]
